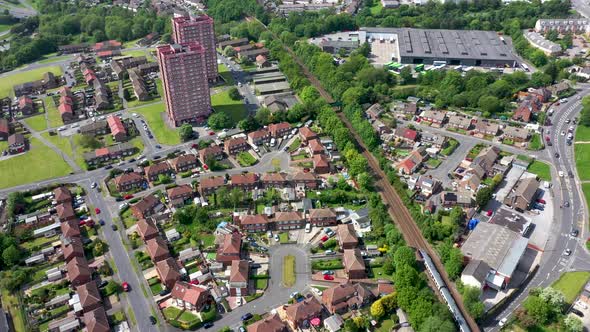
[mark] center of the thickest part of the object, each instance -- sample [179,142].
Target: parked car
[574,233]
[330,252]
[247,316]
[114,227]
[125,286]
[97,210]
[328,277]
[577,312]
[128,196]
[542,201]
[103,284]
[153,320]
[324,238]
[328,272]
[208,325]
[567,252]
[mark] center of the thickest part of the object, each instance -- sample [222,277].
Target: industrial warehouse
[425,46]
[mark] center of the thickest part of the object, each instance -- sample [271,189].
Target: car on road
[97,210]
[153,320]
[568,121]
[561,174]
[556,155]
[328,277]
[108,167]
[570,174]
[254,244]
[574,233]
[562,133]
[134,115]
[489,213]
[276,237]
[158,146]
[125,286]
[114,227]
[503,321]
[566,204]
[94,185]
[208,325]
[328,272]
[128,196]
[101,222]
[119,199]
[567,252]
[247,316]
[211,133]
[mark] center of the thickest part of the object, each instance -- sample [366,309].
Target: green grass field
[7,82]
[53,116]
[289,271]
[4,27]
[571,284]
[235,109]
[161,131]
[582,156]
[10,303]
[37,122]
[42,163]
[542,170]
[586,191]
[226,74]
[582,134]
[55,59]
[137,53]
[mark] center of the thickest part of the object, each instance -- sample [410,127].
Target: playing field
[7,82]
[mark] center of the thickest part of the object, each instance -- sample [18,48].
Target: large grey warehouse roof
[455,44]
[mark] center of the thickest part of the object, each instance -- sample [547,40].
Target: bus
[419,67]
[439,63]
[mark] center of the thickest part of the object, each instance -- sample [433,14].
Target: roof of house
[65,211]
[128,177]
[320,160]
[168,270]
[254,219]
[353,260]
[157,168]
[146,228]
[288,216]
[303,176]
[146,203]
[239,271]
[179,191]
[305,309]
[232,244]
[459,120]
[72,247]
[434,115]
[307,133]
[321,213]
[338,293]
[486,126]
[272,323]
[275,128]
[347,234]
[407,165]
[476,268]
[230,143]
[316,146]
[212,182]
[274,177]
[78,267]
[375,110]
[190,293]
[25,101]
[70,228]
[62,193]
[258,134]
[96,320]
[244,179]
[89,295]
[209,151]
[516,132]
[406,133]
[526,188]
[116,125]
[4,128]
[157,247]
[16,139]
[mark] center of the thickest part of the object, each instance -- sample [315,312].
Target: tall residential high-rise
[184,78]
[198,29]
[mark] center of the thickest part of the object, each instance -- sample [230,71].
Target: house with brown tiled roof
[230,249]
[118,130]
[315,147]
[72,247]
[90,298]
[146,229]
[486,128]
[272,323]
[279,129]
[189,296]
[179,195]
[254,223]
[354,265]
[322,217]
[516,134]
[4,130]
[62,195]
[305,310]
[289,220]
[78,271]
[374,112]
[25,105]
[97,321]
[146,207]
[321,164]
[407,135]
[65,212]
[306,135]
[157,248]
[184,163]
[168,272]
[246,181]
[208,186]
[305,180]
[344,297]
[236,145]
[437,118]
[274,180]
[238,278]
[347,238]
[153,171]
[17,143]
[458,121]
[259,137]
[128,181]
[70,228]
[211,152]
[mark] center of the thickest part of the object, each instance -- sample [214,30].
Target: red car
[324,238]
[128,196]
[489,213]
[194,282]
[211,133]
[97,210]
[306,170]
[125,285]
[195,146]
[205,166]
[542,201]
[328,277]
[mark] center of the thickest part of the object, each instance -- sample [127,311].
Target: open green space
[138,53]
[542,170]
[171,312]
[284,237]
[4,27]
[10,303]
[586,191]
[53,116]
[37,122]
[295,145]
[41,163]
[376,8]
[261,283]
[582,134]
[571,284]
[7,82]
[225,73]
[535,143]
[582,156]
[246,159]
[131,43]
[162,132]
[48,59]
[235,109]
[289,271]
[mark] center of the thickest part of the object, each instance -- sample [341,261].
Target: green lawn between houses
[162,132]
[225,73]
[37,122]
[582,134]
[7,82]
[235,109]
[41,163]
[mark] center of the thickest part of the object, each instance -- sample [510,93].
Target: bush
[332,264]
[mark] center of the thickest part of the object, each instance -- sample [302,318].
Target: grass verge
[582,157]
[571,284]
[289,271]
[542,170]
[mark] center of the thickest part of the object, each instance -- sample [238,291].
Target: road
[242,78]
[18,12]
[582,7]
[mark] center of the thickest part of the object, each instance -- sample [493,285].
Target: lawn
[37,122]
[535,143]
[42,163]
[246,159]
[284,237]
[330,264]
[452,146]
[54,59]
[7,82]
[582,156]
[52,113]
[582,134]
[433,163]
[225,73]
[571,284]
[138,53]
[376,8]
[385,325]
[188,317]
[163,133]
[261,283]
[542,170]
[10,303]
[586,191]
[289,271]
[156,288]
[235,109]
[171,312]
[295,145]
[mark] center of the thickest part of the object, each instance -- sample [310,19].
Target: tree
[263,116]
[573,324]
[236,197]
[406,74]
[11,255]
[365,181]
[538,309]
[248,124]
[234,93]
[218,121]
[350,326]
[126,94]
[404,256]
[98,248]
[89,142]
[185,132]
[164,178]
[309,94]
[435,324]
[472,302]
[483,196]
[540,79]
[552,296]
[489,104]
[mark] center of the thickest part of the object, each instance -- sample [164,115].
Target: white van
[307,228]
[273,142]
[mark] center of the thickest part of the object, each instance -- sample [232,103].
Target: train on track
[444,291]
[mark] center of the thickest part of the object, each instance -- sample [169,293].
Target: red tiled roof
[254,219]
[24,101]
[320,160]
[146,228]
[4,126]
[102,152]
[128,177]
[116,125]
[230,143]
[271,323]
[244,179]
[316,146]
[212,182]
[258,134]
[190,293]
[96,320]
[232,244]
[157,248]
[65,108]
[307,133]
[275,128]
[179,191]
[239,271]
